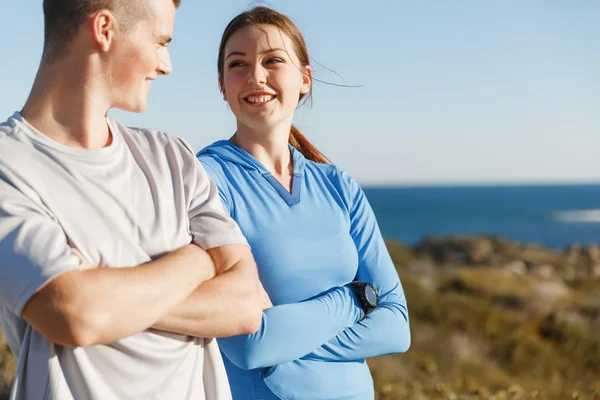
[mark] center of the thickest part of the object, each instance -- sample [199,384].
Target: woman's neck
[270,148]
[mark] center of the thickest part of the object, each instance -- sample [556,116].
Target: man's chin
[134,108]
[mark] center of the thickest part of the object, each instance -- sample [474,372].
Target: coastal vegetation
[496,319]
[491,318]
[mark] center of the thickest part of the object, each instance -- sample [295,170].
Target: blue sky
[451,92]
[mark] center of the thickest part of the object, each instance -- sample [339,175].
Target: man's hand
[230,304]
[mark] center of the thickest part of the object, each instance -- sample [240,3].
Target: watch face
[371,295]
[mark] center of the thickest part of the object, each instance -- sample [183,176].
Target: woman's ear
[306,80]
[222,88]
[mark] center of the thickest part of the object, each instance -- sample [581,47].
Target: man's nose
[165,67]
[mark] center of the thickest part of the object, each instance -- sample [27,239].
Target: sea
[554,216]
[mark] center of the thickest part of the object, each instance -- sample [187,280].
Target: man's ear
[104,28]
[306,80]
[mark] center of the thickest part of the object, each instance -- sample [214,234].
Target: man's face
[140,55]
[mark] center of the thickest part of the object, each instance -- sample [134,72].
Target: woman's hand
[266,301]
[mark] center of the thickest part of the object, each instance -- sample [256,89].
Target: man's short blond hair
[63,18]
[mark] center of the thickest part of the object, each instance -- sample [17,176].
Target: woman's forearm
[290,331]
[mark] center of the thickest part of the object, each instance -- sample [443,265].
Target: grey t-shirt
[140,197]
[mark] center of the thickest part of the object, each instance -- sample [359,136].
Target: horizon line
[478,184]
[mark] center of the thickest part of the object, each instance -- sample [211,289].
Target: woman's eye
[274,60]
[234,64]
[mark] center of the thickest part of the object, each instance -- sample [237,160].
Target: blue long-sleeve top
[308,244]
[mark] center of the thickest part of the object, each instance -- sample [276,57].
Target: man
[111,237]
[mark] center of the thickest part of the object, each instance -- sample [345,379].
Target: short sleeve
[33,248]
[215,171]
[210,225]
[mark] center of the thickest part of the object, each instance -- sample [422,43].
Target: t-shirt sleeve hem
[35,287]
[218,241]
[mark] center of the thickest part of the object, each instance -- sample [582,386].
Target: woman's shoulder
[212,151]
[338,181]
[211,156]
[334,173]
[213,165]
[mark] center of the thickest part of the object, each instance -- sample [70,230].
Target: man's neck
[68,107]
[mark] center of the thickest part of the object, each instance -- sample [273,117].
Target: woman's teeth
[259,99]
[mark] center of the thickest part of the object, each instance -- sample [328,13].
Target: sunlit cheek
[232,85]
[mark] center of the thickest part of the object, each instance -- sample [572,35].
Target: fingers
[266,301]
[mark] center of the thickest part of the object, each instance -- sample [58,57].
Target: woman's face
[262,77]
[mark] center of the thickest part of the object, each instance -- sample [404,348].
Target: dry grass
[482,333]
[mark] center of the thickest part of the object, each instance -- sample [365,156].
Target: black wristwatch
[367,295]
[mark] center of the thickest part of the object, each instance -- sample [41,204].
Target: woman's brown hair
[266,16]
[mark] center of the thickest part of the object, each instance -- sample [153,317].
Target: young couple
[121,259]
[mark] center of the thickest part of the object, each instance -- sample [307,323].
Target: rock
[443,250]
[543,271]
[551,290]
[466,349]
[427,283]
[547,295]
[507,249]
[460,250]
[515,268]
[558,326]
[592,254]
[572,318]
[534,254]
[569,273]
[572,254]
[480,250]
[457,250]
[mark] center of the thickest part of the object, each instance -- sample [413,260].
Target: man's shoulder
[140,133]
[150,137]
[7,129]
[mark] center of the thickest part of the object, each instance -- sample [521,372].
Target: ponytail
[302,144]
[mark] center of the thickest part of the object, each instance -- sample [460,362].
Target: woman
[310,227]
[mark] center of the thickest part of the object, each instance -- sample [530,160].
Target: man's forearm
[227,305]
[102,305]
